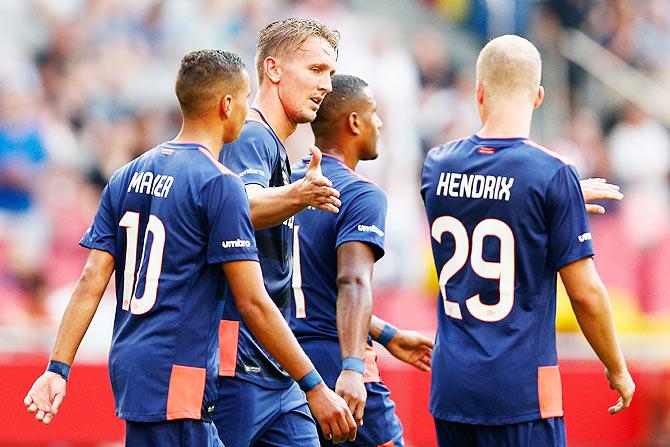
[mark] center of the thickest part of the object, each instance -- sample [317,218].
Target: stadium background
[86,86]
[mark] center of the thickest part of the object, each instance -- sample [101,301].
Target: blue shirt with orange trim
[317,235]
[505,215]
[258,157]
[170,218]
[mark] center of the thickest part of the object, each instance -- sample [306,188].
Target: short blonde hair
[288,35]
[509,64]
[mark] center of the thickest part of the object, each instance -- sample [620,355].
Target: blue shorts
[247,415]
[381,426]
[180,432]
[541,432]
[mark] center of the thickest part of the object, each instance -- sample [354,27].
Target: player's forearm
[354,310]
[376,326]
[80,309]
[272,206]
[594,316]
[591,305]
[269,327]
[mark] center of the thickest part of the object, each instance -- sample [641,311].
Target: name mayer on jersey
[477,186]
[149,183]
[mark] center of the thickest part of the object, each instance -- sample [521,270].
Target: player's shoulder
[255,133]
[445,150]
[547,156]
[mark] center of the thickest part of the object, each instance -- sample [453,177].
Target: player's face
[239,108]
[305,78]
[370,125]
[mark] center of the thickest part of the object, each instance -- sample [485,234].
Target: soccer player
[259,403]
[505,216]
[334,256]
[166,223]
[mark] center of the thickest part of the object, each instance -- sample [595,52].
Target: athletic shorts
[541,432]
[249,415]
[381,426]
[177,433]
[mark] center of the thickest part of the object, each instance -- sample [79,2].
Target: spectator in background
[23,231]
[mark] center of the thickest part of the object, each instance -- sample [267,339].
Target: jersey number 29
[503,271]
[131,222]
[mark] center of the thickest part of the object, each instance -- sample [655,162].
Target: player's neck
[270,105]
[505,122]
[200,134]
[332,149]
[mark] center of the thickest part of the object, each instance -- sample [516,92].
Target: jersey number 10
[131,222]
[503,271]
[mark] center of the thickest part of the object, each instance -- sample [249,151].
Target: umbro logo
[236,243]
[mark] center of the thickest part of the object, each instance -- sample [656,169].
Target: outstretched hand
[598,189]
[315,189]
[45,396]
[623,384]
[412,348]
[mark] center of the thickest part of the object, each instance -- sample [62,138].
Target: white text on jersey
[149,183]
[236,243]
[477,186]
[371,229]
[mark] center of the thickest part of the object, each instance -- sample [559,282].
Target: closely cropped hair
[509,64]
[288,35]
[346,90]
[202,76]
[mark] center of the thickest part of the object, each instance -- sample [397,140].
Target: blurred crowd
[87,85]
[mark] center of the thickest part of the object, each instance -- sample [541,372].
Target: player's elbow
[588,294]
[355,287]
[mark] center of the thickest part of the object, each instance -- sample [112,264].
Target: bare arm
[355,262]
[272,206]
[591,305]
[269,327]
[48,391]
[407,346]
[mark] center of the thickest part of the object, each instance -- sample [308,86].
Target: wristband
[59,368]
[354,364]
[387,334]
[310,380]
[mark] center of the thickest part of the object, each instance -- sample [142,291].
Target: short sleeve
[226,209]
[101,235]
[362,217]
[569,233]
[252,156]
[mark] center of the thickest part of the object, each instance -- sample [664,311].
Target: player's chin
[306,116]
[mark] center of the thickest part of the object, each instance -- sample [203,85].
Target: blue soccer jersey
[259,157]
[504,216]
[317,235]
[169,218]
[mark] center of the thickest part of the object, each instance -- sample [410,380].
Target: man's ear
[272,69]
[354,123]
[226,106]
[480,92]
[539,98]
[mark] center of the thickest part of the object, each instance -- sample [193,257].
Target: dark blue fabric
[258,416]
[484,371]
[542,432]
[362,218]
[205,218]
[183,433]
[258,157]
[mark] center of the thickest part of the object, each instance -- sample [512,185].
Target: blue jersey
[317,235]
[169,218]
[259,157]
[504,216]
